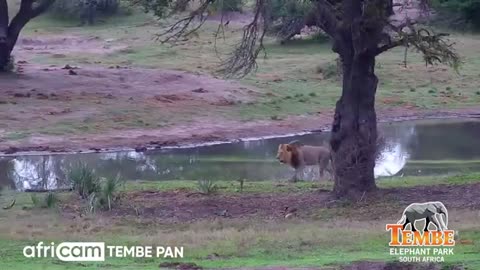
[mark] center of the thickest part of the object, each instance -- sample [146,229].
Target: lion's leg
[295,177]
[322,167]
[321,170]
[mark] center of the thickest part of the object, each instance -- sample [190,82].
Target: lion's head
[284,154]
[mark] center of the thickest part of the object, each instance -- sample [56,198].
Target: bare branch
[243,59]
[181,27]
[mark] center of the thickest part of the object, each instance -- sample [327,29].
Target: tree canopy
[359,31]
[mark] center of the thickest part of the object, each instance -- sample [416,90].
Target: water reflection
[411,148]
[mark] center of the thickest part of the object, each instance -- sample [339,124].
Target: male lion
[298,156]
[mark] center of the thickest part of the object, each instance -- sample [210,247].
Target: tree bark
[354,129]
[4,53]
[9,31]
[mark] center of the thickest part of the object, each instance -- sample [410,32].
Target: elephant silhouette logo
[432,212]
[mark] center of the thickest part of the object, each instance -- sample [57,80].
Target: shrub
[74,8]
[289,17]
[84,180]
[207,186]
[226,6]
[106,195]
[458,13]
[49,201]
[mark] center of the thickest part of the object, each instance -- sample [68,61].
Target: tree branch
[3,20]
[389,46]
[243,59]
[26,12]
[325,17]
[180,27]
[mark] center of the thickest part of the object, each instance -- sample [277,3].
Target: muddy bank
[204,131]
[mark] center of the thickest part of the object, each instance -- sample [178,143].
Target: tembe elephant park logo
[421,234]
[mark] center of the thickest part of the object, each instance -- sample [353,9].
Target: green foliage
[465,12]
[290,8]
[48,201]
[207,186]
[288,17]
[84,180]
[159,8]
[107,194]
[226,6]
[74,8]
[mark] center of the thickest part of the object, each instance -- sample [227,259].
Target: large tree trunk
[4,56]
[10,30]
[354,129]
[4,52]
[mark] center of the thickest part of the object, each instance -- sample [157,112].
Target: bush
[459,13]
[226,6]
[207,186]
[289,17]
[74,8]
[107,194]
[100,192]
[84,180]
[49,201]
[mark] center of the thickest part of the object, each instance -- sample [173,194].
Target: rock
[11,150]
[139,149]
[199,90]
[71,72]
[21,95]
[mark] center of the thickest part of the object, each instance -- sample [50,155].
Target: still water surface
[413,148]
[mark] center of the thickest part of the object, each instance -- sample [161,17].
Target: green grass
[331,237]
[290,73]
[279,187]
[295,79]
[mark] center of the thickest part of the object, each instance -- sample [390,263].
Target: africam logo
[414,243]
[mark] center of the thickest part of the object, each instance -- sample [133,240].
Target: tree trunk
[4,56]
[354,129]
[9,31]
[4,52]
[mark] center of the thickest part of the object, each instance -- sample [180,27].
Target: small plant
[413,89]
[241,181]
[312,94]
[207,186]
[49,201]
[431,91]
[303,100]
[84,180]
[478,92]
[106,195]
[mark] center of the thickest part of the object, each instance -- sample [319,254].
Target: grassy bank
[336,235]
[295,79]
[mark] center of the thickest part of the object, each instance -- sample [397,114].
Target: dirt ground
[40,96]
[180,206]
[90,107]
